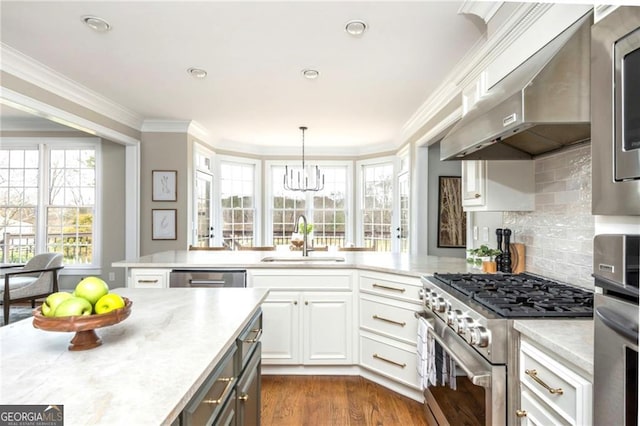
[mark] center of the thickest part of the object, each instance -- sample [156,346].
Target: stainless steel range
[471,321]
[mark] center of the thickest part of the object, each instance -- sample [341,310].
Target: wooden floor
[334,400]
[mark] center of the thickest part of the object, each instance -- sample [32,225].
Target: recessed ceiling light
[197,73]
[96,24]
[355,28]
[310,74]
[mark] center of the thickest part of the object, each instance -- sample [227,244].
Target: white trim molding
[482,9]
[28,69]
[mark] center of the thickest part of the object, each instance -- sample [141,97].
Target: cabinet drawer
[388,287]
[213,395]
[148,278]
[536,413]
[566,392]
[393,321]
[249,339]
[394,361]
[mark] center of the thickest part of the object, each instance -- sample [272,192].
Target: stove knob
[452,316]
[438,304]
[462,323]
[478,336]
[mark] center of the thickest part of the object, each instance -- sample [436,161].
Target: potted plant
[483,258]
[297,237]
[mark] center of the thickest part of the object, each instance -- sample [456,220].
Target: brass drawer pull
[400,323]
[534,375]
[226,390]
[243,397]
[401,290]
[477,196]
[255,339]
[521,413]
[147,281]
[381,358]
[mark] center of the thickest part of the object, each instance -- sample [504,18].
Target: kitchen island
[148,367]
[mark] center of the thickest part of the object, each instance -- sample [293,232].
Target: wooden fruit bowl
[83,325]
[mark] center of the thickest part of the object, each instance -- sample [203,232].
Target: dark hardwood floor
[334,400]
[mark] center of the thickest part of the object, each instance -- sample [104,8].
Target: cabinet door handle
[295,302]
[306,302]
[147,281]
[381,358]
[226,390]
[386,287]
[255,339]
[521,413]
[243,397]
[477,196]
[534,375]
[400,323]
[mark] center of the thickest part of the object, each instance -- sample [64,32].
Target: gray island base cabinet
[151,367]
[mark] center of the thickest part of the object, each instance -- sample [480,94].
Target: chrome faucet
[305,247]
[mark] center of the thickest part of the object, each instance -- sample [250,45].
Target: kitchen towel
[426,354]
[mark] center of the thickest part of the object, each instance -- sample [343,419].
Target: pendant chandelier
[305,179]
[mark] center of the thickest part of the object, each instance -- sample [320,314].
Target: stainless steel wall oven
[616,263]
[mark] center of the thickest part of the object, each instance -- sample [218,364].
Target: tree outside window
[377,205]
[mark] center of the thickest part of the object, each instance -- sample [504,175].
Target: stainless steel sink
[302,259]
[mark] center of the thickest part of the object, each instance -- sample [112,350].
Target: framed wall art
[452,220]
[163,224]
[164,185]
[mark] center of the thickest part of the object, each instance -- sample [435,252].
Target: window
[327,210]
[377,205]
[238,203]
[18,201]
[48,200]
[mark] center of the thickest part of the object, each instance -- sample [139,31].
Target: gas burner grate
[522,295]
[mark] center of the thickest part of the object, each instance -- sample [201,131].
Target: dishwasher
[208,278]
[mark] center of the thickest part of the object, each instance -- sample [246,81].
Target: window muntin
[286,206]
[237,203]
[377,211]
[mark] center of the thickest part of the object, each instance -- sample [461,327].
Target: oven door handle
[477,374]
[618,323]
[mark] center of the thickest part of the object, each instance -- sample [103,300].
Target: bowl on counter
[83,325]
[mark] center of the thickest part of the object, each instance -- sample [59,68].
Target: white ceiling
[368,88]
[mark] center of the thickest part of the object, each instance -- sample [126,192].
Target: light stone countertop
[569,339]
[403,264]
[148,367]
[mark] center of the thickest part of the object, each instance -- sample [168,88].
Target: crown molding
[196,130]
[473,63]
[28,69]
[165,126]
[482,9]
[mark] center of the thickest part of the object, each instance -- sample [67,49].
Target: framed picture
[164,185]
[452,220]
[163,224]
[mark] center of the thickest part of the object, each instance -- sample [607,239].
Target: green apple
[73,306]
[52,301]
[92,289]
[108,302]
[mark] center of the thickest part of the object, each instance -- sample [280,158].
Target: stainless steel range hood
[541,106]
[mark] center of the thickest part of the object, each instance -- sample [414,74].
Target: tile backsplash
[558,234]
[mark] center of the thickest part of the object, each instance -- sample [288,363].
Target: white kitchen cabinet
[307,328]
[148,278]
[310,326]
[281,325]
[551,391]
[507,185]
[389,326]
